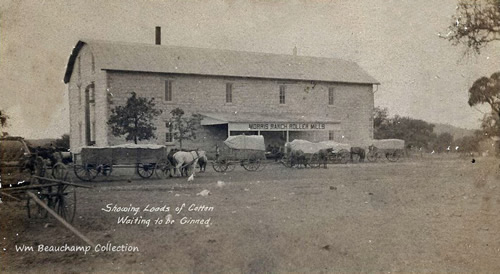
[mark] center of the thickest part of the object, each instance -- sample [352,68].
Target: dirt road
[438,214]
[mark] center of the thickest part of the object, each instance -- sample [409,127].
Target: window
[79,94]
[169,136]
[79,68]
[331,135]
[92,140]
[92,94]
[168,91]
[282,95]
[330,96]
[229,93]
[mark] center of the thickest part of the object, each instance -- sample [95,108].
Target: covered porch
[277,128]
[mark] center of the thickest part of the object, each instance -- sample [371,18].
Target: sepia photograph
[249,136]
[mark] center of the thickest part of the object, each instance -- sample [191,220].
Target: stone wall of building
[87,76]
[353,103]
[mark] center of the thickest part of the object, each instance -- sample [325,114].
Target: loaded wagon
[337,152]
[302,152]
[245,150]
[390,149]
[146,159]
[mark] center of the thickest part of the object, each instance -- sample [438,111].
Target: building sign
[286,126]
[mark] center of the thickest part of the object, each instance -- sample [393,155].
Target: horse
[173,162]
[358,151]
[187,159]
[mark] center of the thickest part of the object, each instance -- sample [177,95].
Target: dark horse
[358,151]
[323,156]
[202,162]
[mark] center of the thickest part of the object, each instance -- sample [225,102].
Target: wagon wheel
[371,156]
[105,169]
[102,166]
[251,164]
[35,211]
[286,161]
[65,202]
[230,166]
[380,156]
[60,171]
[163,168]
[356,158]
[86,172]
[263,165]
[220,165]
[145,170]
[314,161]
[345,156]
[393,156]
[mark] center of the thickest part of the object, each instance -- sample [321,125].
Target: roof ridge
[214,49]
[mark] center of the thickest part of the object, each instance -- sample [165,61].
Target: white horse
[187,159]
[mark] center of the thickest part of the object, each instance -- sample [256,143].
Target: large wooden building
[282,97]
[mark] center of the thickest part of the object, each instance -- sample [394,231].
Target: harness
[197,155]
[195,158]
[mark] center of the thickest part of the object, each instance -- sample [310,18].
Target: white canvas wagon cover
[251,142]
[310,147]
[336,145]
[389,144]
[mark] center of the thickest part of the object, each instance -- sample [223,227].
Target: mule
[187,159]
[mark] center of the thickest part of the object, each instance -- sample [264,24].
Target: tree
[183,128]
[415,132]
[63,141]
[379,118]
[490,126]
[468,144]
[3,122]
[475,24]
[487,91]
[442,142]
[135,119]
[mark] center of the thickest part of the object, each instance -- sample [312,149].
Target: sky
[395,41]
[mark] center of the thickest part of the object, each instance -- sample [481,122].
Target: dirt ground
[437,214]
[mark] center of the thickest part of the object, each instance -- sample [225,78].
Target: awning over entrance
[241,121]
[272,123]
[259,123]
